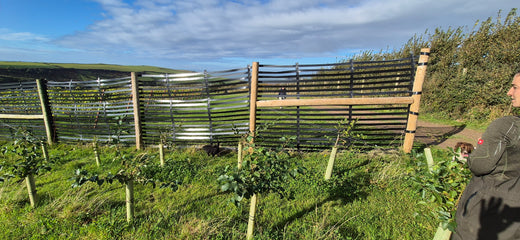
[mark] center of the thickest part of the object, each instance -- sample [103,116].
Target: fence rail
[211,107]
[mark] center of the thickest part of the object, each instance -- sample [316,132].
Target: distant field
[28,71]
[112,67]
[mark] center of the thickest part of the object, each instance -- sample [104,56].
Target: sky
[223,34]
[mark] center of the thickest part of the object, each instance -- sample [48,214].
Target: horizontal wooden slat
[334,101]
[20,116]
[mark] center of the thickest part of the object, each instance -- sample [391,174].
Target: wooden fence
[211,107]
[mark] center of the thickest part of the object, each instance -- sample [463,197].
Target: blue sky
[222,34]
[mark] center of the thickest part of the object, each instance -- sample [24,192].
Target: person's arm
[490,147]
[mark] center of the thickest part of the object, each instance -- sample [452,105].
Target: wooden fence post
[252,129]
[137,115]
[253,98]
[413,113]
[46,110]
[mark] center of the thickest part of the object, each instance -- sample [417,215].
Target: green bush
[469,72]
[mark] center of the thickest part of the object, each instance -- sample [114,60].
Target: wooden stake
[253,98]
[252,129]
[420,74]
[137,114]
[47,116]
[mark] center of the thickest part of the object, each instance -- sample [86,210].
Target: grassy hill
[12,71]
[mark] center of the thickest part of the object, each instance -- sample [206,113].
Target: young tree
[263,170]
[28,161]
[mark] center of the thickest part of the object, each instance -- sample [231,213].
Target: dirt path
[443,136]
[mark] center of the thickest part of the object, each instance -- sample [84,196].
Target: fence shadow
[434,135]
[341,190]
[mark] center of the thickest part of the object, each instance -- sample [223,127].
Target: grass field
[113,67]
[369,197]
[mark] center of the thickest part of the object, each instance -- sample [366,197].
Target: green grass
[122,68]
[440,119]
[368,197]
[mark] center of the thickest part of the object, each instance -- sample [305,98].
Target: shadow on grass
[161,221]
[347,185]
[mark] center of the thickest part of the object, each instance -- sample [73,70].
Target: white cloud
[214,30]
[7,35]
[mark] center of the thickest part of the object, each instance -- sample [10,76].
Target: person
[282,94]
[489,207]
